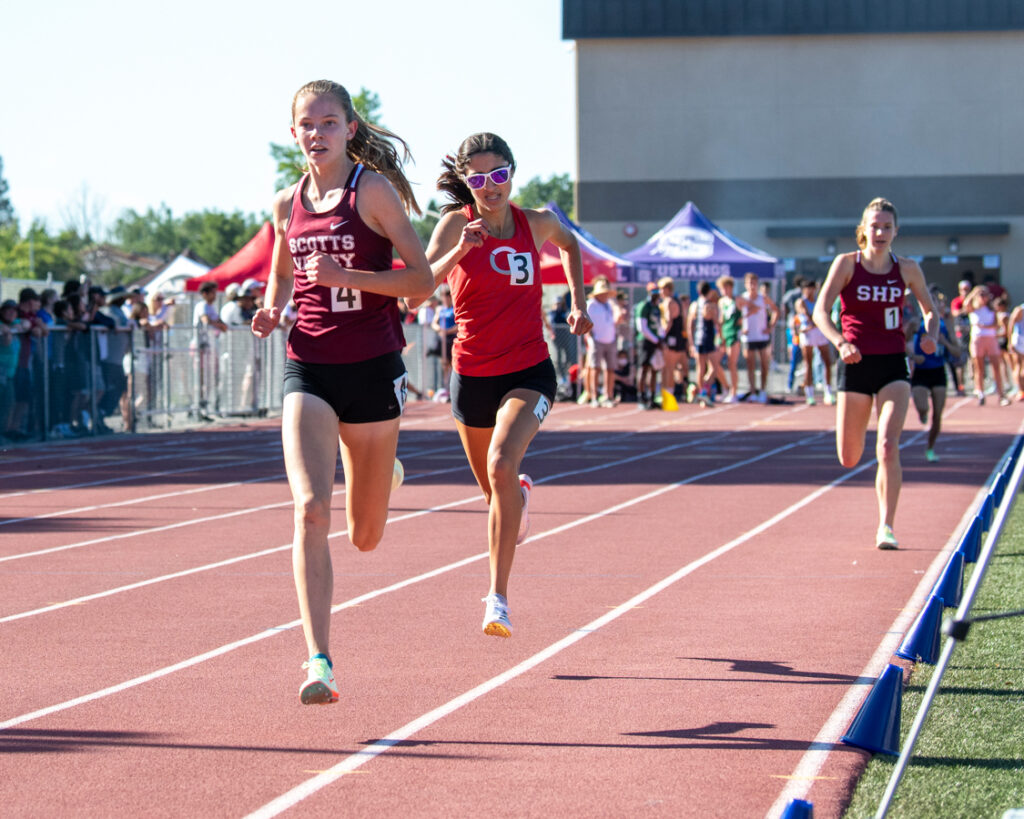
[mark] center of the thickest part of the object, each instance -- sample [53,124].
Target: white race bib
[344,299]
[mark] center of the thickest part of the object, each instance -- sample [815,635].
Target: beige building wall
[792,131]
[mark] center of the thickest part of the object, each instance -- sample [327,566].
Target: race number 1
[892,318]
[344,299]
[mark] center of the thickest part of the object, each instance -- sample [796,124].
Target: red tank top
[496,290]
[872,310]
[337,325]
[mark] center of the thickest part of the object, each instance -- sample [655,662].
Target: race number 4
[344,299]
[892,318]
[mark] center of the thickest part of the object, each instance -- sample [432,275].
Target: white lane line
[814,758]
[194,521]
[114,689]
[132,478]
[182,492]
[353,761]
[835,726]
[263,553]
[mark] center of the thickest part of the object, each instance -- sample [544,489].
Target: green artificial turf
[969,757]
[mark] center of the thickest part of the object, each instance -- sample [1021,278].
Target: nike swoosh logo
[336,225]
[892,282]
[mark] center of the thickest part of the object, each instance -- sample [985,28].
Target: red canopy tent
[252,261]
[594,265]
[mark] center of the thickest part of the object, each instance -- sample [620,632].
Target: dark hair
[705,288]
[371,144]
[451,181]
[27,293]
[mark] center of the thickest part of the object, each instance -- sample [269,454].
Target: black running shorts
[477,398]
[359,393]
[872,372]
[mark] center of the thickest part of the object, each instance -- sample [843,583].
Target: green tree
[291,164]
[153,233]
[538,192]
[36,254]
[216,236]
[213,235]
[6,208]
[425,227]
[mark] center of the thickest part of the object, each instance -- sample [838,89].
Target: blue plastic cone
[876,727]
[798,809]
[987,509]
[970,543]
[921,642]
[950,585]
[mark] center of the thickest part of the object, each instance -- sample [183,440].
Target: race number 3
[892,318]
[517,265]
[520,268]
[344,299]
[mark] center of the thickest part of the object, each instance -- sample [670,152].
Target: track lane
[280,743]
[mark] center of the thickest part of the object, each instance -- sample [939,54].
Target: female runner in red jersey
[344,379]
[870,285]
[503,381]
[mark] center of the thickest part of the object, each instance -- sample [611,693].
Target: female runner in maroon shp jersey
[503,381]
[870,284]
[344,378]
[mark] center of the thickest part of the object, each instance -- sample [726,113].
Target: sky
[120,104]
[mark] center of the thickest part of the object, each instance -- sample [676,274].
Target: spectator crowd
[665,350]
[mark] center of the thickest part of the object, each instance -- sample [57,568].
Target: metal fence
[96,381]
[93,382]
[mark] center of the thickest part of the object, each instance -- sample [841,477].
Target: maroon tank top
[872,310]
[338,325]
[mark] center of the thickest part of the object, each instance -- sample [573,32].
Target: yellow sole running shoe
[496,622]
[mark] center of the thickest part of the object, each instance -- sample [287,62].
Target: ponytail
[371,145]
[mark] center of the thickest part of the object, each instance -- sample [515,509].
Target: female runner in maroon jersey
[872,347]
[344,379]
[503,381]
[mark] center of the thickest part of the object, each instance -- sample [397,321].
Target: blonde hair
[371,144]
[724,280]
[880,204]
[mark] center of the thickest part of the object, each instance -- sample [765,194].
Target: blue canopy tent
[692,247]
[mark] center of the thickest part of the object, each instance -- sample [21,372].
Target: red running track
[698,612]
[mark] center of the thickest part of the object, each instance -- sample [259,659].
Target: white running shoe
[496,622]
[525,487]
[885,539]
[320,687]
